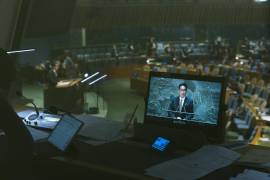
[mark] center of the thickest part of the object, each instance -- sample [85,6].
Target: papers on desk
[258,158]
[96,130]
[265,117]
[194,165]
[251,175]
[37,134]
[100,130]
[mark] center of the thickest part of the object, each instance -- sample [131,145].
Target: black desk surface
[127,159]
[122,156]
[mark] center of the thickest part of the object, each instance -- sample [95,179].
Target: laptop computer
[61,136]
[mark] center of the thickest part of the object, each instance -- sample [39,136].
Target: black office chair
[232,103]
[244,124]
[248,91]
[249,134]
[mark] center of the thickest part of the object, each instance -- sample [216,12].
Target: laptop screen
[64,132]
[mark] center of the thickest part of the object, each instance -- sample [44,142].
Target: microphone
[131,118]
[33,116]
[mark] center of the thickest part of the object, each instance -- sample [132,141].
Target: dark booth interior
[135,89]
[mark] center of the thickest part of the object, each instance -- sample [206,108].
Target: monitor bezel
[212,132]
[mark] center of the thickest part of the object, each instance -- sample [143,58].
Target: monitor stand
[181,139]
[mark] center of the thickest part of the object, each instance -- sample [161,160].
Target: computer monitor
[190,102]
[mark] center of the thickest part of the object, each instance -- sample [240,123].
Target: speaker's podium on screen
[186,109]
[187,115]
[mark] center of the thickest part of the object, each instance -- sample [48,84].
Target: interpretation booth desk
[106,149]
[123,159]
[116,155]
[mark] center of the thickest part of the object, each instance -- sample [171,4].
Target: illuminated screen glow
[200,106]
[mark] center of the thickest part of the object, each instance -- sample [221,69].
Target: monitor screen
[179,100]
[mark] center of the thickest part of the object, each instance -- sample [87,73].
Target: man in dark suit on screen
[181,107]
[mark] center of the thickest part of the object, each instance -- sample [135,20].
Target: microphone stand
[95,110]
[33,116]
